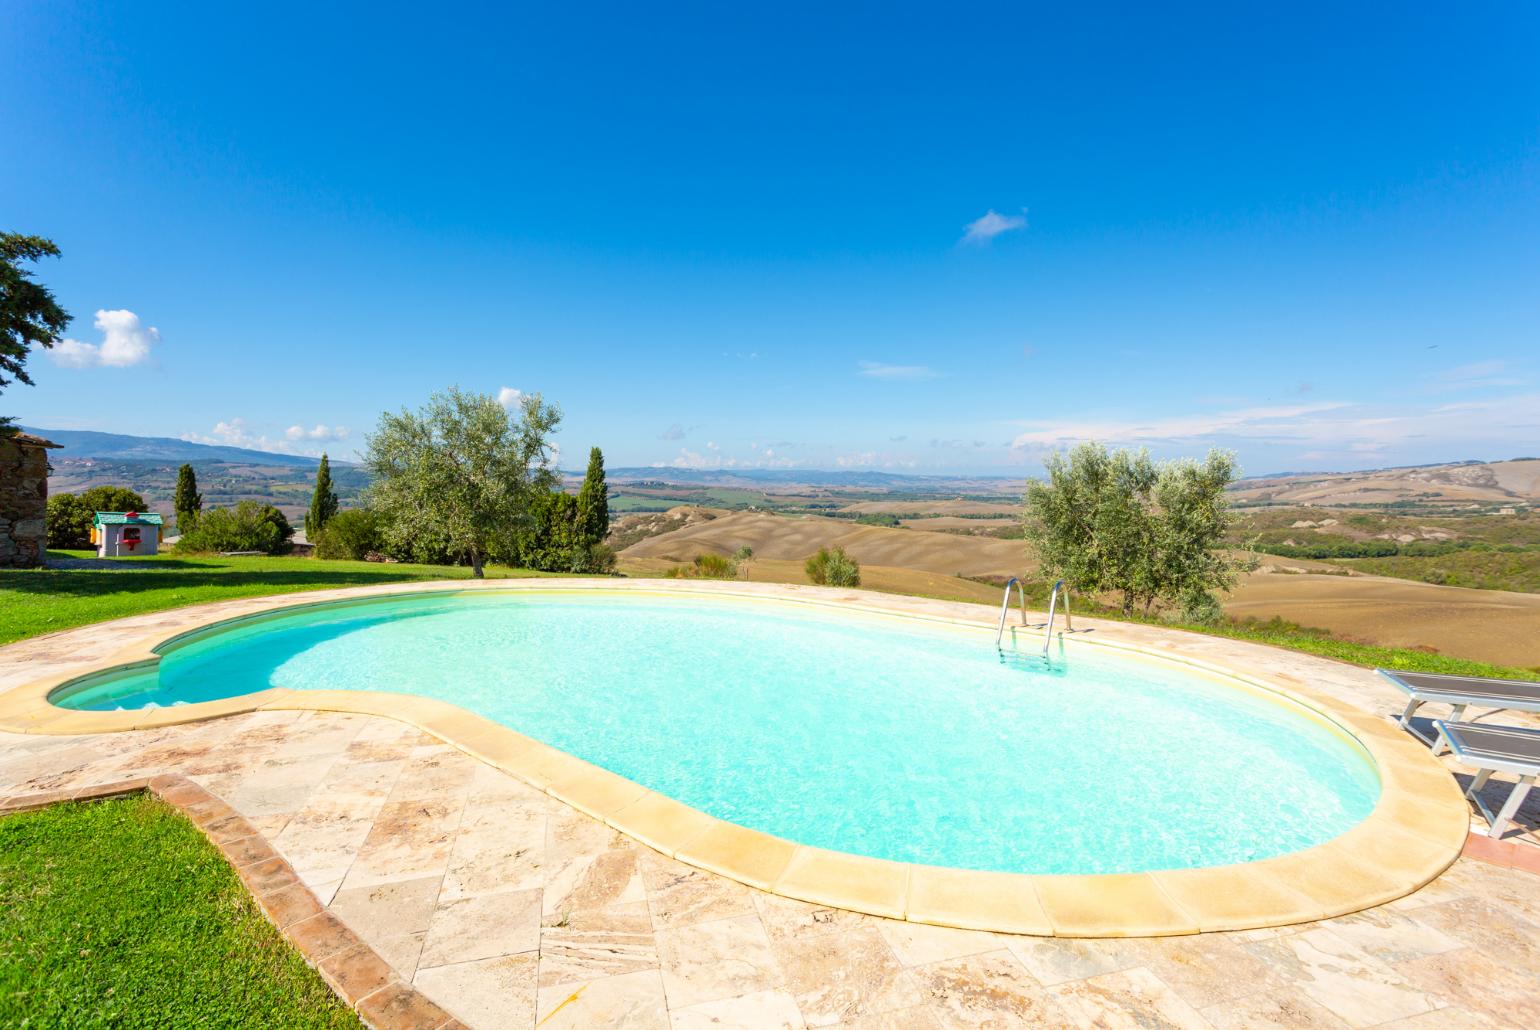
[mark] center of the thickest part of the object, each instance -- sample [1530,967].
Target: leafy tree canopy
[69,521]
[1116,522]
[29,315]
[463,470]
[113,498]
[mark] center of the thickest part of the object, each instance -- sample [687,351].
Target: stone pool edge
[1414,833]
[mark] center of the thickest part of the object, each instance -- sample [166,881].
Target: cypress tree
[323,503]
[593,514]
[187,501]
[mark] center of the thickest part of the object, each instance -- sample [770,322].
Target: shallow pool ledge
[1414,833]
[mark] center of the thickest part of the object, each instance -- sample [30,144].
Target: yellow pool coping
[1414,833]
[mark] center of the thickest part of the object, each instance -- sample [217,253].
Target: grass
[46,600]
[120,913]
[1294,637]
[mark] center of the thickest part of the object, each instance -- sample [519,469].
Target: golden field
[1497,626]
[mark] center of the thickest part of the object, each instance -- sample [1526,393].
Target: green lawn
[45,600]
[120,913]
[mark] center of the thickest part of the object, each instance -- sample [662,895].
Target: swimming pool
[894,738]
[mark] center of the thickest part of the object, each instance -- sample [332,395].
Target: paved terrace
[510,909]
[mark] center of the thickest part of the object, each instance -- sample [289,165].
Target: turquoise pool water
[886,737]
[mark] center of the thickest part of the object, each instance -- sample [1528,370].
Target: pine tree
[323,503]
[187,501]
[594,501]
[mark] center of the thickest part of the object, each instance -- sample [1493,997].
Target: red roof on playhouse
[118,534]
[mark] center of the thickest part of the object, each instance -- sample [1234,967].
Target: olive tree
[464,470]
[1116,522]
[1090,524]
[1194,517]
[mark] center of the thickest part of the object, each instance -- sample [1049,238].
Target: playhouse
[118,534]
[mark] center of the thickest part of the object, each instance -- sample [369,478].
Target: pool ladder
[1053,605]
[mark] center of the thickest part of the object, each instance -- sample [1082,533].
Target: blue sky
[927,239]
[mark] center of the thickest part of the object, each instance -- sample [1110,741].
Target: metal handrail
[1005,607]
[1053,604]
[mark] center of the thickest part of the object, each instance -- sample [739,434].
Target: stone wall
[23,500]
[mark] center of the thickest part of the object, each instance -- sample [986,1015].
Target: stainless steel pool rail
[1059,590]
[1053,604]
[1005,607]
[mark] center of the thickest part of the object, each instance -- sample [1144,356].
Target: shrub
[744,556]
[834,568]
[705,566]
[350,535]
[601,559]
[557,538]
[248,526]
[69,521]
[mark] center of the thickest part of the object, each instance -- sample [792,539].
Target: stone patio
[510,909]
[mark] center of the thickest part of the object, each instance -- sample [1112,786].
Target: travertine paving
[510,909]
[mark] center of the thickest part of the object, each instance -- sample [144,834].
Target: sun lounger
[1507,749]
[1460,692]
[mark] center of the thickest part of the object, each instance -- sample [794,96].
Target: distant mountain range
[116,447]
[87,458]
[849,479]
[75,443]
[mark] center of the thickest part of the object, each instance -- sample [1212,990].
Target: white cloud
[688,459]
[1474,376]
[124,342]
[1323,429]
[873,459]
[295,440]
[880,370]
[673,432]
[1254,422]
[316,432]
[508,396]
[992,224]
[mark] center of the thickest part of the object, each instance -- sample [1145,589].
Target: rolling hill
[75,443]
[1466,484]
[794,537]
[225,474]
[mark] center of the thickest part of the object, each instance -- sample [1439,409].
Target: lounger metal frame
[1487,764]
[1459,699]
